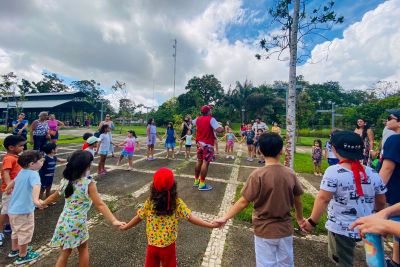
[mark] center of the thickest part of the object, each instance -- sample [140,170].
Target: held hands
[220,222]
[374,224]
[118,223]
[305,226]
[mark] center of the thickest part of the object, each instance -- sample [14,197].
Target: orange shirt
[10,162]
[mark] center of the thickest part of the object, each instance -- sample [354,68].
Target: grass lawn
[304,164]
[123,129]
[307,200]
[309,141]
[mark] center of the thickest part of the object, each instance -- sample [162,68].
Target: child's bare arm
[131,224]
[235,209]
[197,221]
[52,198]
[7,180]
[380,202]
[35,196]
[298,206]
[61,160]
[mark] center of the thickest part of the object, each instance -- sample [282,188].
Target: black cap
[395,112]
[348,144]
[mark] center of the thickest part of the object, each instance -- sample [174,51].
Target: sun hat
[348,144]
[93,139]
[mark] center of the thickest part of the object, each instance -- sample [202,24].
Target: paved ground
[125,190]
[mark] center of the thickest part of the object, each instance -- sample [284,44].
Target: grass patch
[307,200]
[64,140]
[304,164]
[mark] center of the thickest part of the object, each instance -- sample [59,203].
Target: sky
[131,41]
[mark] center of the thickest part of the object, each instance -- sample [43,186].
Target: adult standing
[110,123]
[53,128]
[368,137]
[390,171]
[151,132]
[39,132]
[186,125]
[19,127]
[258,124]
[205,139]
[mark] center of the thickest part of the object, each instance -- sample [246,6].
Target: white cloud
[132,41]
[368,51]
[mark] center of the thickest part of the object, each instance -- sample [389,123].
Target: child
[103,147]
[316,154]
[352,191]
[257,146]
[92,143]
[79,191]
[188,143]
[230,141]
[249,136]
[170,140]
[129,148]
[48,169]
[329,155]
[21,209]
[162,211]
[152,134]
[273,189]
[85,137]
[14,144]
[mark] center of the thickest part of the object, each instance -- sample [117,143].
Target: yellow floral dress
[162,231]
[72,230]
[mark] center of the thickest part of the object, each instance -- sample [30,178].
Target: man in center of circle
[205,138]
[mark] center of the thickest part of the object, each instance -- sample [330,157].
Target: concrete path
[124,191]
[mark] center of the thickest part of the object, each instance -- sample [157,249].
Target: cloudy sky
[131,41]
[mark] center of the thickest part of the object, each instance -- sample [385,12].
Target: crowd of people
[358,199]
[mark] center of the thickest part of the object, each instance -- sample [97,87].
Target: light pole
[174,55]
[243,110]
[332,111]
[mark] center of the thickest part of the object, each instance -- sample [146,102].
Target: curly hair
[160,200]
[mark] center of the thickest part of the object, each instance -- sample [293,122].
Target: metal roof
[46,94]
[34,104]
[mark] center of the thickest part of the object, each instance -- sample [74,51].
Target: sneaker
[7,229]
[1,239]
[14,253]
[30,256]
[205,187]
[196,183]
[248,159]
[251,159]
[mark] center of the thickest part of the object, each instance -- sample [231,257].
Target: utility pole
[332,111]
[174,55]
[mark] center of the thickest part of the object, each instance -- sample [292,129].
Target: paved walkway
[124,191]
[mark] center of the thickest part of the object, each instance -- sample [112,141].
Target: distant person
[188,143]
[230,142]
[258,124]
[226,129]
[329,155]
[316,155]
[348,191]
[249,136]
[151,132]
[111,125]
[368,138]
[206,126]
[276,129]
[85,137]
[273,189]
[161,212]
[22,204]
[20,127]
[186,125]
[79,191]
[40,131]
[87,123]
[170,142]
[103,147]
[53,127]
[14,145]
[243,129]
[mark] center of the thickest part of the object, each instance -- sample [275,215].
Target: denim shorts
[103,152]
[124,153]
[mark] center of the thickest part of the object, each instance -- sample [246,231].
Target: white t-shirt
[188,140]
[346,206]
[385,135]
[260,125]
[328,147]
[105,142]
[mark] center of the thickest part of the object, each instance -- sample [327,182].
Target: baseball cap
[205,109]
[93,139]
[348,144]
[395,112]
[163,179]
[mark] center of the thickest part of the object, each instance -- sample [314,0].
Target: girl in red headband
[162,211]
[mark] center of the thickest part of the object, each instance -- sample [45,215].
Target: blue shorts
[170,145]
[103,152]
[46,181]
[124,153]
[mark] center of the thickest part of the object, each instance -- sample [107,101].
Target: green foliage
[208,88]
[50,83]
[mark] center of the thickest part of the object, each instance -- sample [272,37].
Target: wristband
[313,224]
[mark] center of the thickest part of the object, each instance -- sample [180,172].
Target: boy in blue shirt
[22,206]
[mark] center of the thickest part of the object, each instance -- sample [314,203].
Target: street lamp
[243,110]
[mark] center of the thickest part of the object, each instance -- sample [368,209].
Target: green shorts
[341,249]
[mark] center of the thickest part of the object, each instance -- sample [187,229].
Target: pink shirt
[53,125]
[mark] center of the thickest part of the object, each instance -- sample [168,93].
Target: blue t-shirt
[391,151]
[21,199]
[49,167]
[170,136]
[19,127]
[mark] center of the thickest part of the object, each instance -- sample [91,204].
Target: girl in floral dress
[316,154]
[162,211]
[79,191]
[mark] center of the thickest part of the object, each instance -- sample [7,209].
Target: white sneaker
[232,157]
[1,239]
[227,157]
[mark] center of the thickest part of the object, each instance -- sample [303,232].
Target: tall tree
[26,87]
[50,83]
[208,87]
[295,25]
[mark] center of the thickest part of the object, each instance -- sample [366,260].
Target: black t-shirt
[391,151]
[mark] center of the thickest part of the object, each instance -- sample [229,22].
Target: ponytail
[76,167]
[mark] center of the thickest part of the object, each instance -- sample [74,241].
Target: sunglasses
[392,118]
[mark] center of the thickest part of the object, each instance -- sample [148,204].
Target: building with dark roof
[70,107]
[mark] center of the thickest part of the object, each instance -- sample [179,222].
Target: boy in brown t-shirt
[274,189]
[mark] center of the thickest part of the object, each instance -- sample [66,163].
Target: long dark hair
[149,122]
[364,133]
[160,200]
[133,133]
[172,125]
[319,142]
[103,128]
[76,167]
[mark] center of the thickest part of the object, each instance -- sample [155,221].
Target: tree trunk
[291,108]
